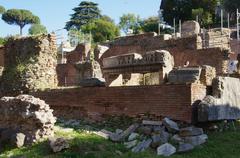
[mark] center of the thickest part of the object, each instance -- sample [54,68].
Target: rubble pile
[166,137]
[25,119]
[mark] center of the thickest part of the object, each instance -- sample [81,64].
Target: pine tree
[83,14]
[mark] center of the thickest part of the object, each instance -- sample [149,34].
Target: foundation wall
[174,101]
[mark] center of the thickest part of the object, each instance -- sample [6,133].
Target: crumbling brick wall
[81,53]
[174,101]
[71,74]
[2,56]
[182,49]
[30,64]
[148,42]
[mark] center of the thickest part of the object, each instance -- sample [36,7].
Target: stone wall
[224,103]
[174,101]
[217,38]
[30,64]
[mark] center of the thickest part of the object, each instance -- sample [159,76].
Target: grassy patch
[87,145]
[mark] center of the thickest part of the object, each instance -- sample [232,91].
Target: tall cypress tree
[83,14]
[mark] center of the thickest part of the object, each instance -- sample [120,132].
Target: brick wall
[215,57]
[2,56]
[81,53]
[67,75]
[174,101]
[235,47]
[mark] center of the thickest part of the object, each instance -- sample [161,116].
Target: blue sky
[55,13]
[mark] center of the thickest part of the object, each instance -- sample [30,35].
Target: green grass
[87,145]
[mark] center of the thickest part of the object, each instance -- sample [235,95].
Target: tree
[20,17]
[182,9]
[205,18]
[84,14]
[231,6]
[150,24]
[2,9]
[2,41]
[37,29]
[101,30]
[107,18]
[178,9]
[130,22]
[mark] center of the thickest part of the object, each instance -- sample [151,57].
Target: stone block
[190,131]
[142,146]
[124,134]
[166,150]
[184,75]
[170,125]
[225,102]
[92,82]
[190,28]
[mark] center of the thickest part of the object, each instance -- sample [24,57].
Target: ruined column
[30,64]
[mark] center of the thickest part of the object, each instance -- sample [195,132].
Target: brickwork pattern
[174,101]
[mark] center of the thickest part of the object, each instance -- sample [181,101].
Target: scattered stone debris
[159,139]
[146,130]
[119,137]
[133,136]
[58,144]
[166,150]
[153,123]
[131,144]
[190,131]
[170,125]
[104,134]
[142,146]
[158,135]
[118,131]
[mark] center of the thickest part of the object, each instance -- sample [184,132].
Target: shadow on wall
[218,112]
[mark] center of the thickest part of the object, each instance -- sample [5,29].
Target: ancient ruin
[27,115]
[124,69]
[79,68]
[144,73]
[29,64]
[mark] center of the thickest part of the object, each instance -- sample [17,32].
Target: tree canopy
[20,17]
[231,6]
[2,9]
[130,22]
[150,24]
[37,29]
[186,9]
[83,14]
[101,30]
